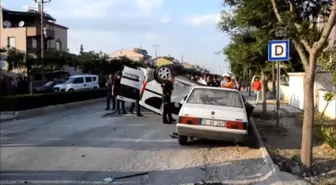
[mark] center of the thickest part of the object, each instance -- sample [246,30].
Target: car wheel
[71,90]
[94,87]
[162,73]
[183,140]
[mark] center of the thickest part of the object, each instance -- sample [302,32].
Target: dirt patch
[284,145]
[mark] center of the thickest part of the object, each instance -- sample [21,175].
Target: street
[84,146]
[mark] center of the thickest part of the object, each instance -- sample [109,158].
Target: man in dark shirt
[137,92]
[167,90]
[115,91]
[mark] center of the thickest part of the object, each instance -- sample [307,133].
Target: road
[84,146]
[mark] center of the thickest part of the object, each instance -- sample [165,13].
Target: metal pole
[278,95]
[42,41]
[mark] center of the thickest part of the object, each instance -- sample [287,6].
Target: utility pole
[156,46]
[41,4]
[182,58]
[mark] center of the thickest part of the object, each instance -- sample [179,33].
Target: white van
[78,82]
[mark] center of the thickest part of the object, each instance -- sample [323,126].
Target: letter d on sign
[279,50]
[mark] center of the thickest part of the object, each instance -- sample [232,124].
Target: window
[88,79]
[94,79]
[58,45]
[216,97]
[34,43]
[11,42]
[79,80]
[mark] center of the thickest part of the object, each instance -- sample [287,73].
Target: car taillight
[188,120]
[143,88]
[236,125]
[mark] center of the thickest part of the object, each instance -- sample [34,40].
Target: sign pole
[278,95]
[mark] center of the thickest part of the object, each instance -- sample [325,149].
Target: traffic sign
[278,50]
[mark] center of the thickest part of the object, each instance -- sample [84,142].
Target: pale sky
[180,27]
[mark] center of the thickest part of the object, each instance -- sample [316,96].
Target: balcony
[34,31]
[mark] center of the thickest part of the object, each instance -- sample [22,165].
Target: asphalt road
[84,146]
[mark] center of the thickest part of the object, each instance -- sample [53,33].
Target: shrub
[24,102]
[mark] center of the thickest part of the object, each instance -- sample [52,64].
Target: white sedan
[213,113]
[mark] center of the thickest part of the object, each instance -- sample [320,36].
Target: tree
[15,58]
[301,18]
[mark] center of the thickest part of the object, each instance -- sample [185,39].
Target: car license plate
[215,123]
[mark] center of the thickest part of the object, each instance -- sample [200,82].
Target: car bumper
[213,133]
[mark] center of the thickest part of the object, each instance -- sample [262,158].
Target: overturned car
[147,82]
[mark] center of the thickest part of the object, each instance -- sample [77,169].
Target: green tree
[301,18]
[15,59]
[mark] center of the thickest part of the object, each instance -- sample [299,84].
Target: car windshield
[71,80]
[215,97]
[49,83]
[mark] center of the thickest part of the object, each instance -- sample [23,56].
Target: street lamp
[41,3]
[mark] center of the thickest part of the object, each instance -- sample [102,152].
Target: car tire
[162,73]
[71,90]
[95,87]
[183,140]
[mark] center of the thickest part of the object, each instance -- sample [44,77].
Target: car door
[78,83]
[130,84]
[88,83]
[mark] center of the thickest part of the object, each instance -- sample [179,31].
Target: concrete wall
[331,108]
[61,34]
[295,90]
[18,33]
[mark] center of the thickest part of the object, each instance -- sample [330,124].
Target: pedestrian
[137,102]
[230,83]
[167,90]
[224,81]
[109,83]
[238,83]
[256,85]
[115,91]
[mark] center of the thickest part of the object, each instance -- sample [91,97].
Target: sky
[185,28]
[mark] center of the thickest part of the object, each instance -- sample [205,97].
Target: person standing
[230,83]
[256,85]
[224,81]
[137,100]
[167,90]
[115,91]
[109,83]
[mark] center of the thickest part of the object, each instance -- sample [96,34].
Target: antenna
[7,24]
[21,23]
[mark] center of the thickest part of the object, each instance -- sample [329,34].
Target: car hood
[61,86]
[213,112]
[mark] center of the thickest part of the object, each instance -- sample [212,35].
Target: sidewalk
[283,144]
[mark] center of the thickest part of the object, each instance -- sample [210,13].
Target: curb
[267,158]
[12,115]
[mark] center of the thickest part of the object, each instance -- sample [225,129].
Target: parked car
[214,113]
[78,82]
[48,87]
[148,82]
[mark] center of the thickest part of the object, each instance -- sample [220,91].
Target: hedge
[25,102]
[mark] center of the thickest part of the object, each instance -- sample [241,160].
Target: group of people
[113,84]
[214,81]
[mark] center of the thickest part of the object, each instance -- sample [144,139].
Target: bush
[24,102]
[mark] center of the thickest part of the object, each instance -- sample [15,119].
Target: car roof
[216,88]
[74,76]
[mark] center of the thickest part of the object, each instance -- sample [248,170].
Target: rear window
[216,97]
[88,79]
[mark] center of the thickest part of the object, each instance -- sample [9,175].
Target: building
[21,30]
[136,54]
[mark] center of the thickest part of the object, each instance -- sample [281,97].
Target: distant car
[214,113]
[48,87]
[148,83]
[78,82]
